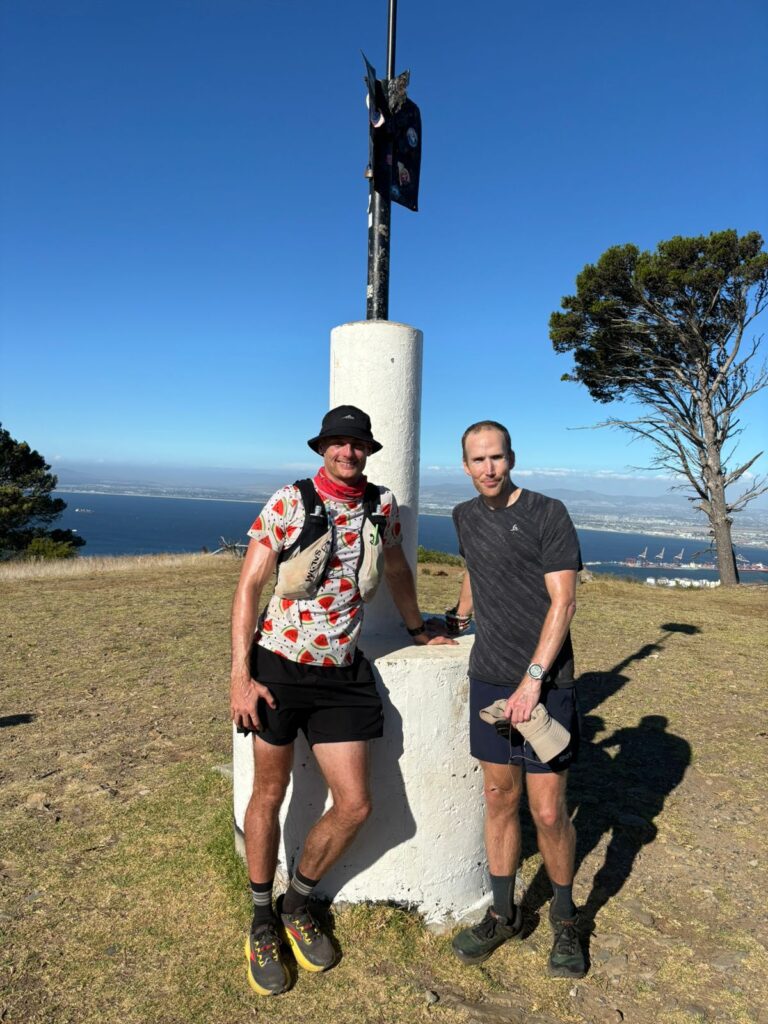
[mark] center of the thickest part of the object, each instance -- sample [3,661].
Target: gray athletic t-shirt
[508,551]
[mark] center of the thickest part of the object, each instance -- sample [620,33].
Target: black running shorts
[486,745]
[328,704]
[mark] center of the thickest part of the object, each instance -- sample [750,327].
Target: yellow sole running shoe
[309,944]
[267,974]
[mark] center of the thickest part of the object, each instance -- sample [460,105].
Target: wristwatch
[535,671]
[419,630]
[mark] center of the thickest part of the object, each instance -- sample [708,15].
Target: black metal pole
[380,209]
[391,32]
[379,218]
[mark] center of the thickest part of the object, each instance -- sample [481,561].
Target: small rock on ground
[727,960]
[638,912]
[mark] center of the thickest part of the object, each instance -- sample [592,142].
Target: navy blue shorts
[486,745]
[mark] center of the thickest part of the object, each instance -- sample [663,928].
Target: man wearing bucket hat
[297,666]
[522,557]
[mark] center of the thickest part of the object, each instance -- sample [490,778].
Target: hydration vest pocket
[300,575]
[372,560]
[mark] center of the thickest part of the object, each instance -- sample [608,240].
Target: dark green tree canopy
[26,505]
[638,317]
[667,329]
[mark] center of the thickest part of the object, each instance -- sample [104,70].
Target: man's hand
[523,701]
[432,640]
[244,694]
[436,630]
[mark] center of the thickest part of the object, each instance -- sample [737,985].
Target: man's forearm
[403,590]
[553,633]
[257,570]
[245,613]
[459,618]
[465,606]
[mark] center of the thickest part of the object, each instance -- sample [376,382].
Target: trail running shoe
[473,945]
[267,974]
[310,945]
[567,957]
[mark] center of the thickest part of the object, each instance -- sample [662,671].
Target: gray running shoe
[267,974]
[473,945]
[309,944]
[567,957]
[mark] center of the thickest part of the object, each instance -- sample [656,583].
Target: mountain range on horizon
[435,488]
[647,497]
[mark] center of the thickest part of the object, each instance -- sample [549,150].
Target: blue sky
[183,211]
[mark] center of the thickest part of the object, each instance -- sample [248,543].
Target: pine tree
[26,506]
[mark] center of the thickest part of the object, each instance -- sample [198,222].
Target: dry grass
[122,894]
[66,568]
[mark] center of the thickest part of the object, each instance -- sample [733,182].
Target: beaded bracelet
[456,623]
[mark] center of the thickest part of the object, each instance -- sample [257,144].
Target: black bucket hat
[345,421]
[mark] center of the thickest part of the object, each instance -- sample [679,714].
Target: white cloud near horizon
[557,471]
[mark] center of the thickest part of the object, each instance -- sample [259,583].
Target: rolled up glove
[547,737]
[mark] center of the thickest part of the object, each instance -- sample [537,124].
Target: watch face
[535,671]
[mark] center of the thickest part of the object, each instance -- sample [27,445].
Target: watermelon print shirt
[324,630]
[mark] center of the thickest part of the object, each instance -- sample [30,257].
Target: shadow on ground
[23,719]
[617,788]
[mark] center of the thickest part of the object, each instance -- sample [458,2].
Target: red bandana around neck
[342,492]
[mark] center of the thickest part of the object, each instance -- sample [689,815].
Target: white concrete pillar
[423,844]
[376,365]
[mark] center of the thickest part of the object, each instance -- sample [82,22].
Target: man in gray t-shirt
[522,557]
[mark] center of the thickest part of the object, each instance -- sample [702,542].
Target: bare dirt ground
[121,893]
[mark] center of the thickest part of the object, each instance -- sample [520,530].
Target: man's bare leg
[557,843]
[554,831]
[502,788]
[345,769]
[272,770]
[267,973]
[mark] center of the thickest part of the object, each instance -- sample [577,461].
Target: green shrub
[425,555]
[45,548]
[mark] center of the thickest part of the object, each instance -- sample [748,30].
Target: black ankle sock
[298,892]
[503,887]
[261,894]
[562,907]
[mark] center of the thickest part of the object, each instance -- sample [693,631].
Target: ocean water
[125,524]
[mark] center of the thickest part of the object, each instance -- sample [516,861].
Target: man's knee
[550,815]
[352,811]
[268,795]
[502,797]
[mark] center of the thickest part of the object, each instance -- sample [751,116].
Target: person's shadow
[6,721]
[620,795]
[595,687]
[623,795]
[390,824]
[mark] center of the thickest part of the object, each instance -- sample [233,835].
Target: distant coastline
[646,531]
[679,530]
[117,524]
[143,494]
